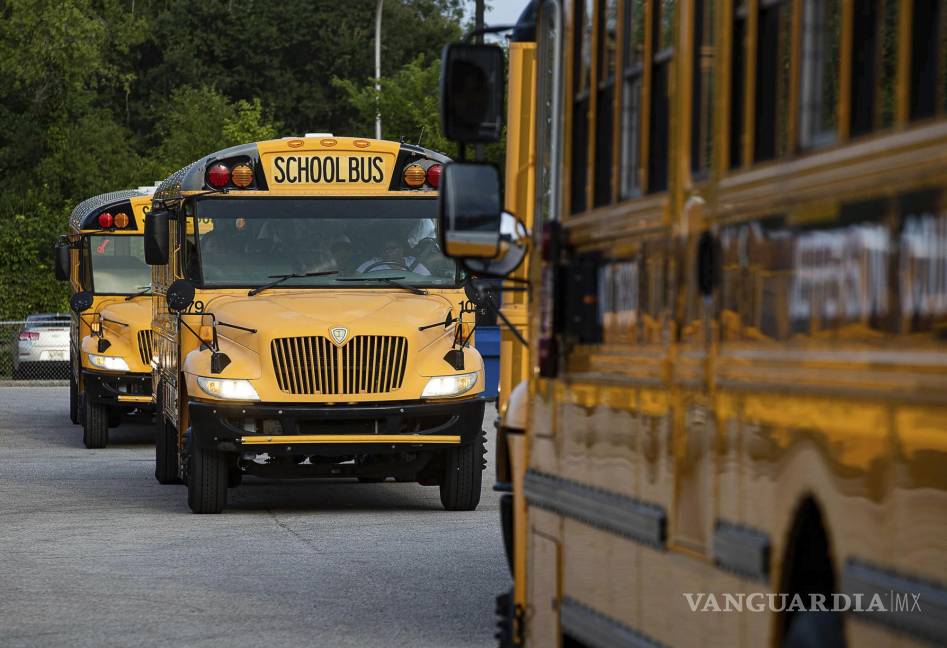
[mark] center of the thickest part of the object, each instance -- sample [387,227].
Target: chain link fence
[35,350]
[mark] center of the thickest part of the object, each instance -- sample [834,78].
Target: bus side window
[928,34]
[190,260]
[704,54]
[873,65]
[774,51]
[604,100]
[85,265]
[632,71]
[737,120]
[581,93]
[662,41]
[820,67]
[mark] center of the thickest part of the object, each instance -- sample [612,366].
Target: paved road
[94,552]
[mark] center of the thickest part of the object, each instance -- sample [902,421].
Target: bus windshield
[357,242]
[118,264]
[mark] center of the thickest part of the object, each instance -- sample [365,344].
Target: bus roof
[314,164]
[85,213]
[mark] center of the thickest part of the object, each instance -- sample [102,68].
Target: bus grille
[145,345]
[366,364]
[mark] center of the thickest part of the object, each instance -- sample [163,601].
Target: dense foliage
[100,95]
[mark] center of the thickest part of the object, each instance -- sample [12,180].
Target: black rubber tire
[815,630]
[166,452]
[463,473]
[207,481]
[73,400]
[95,425]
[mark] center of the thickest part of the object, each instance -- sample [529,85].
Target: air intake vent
[366,364]
[145,346]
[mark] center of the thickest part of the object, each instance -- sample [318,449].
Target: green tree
[409,104]
[198,121]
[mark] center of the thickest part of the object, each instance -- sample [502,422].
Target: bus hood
[319,313]
[127,341]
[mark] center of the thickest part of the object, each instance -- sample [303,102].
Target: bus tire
[95,425]
[463,472]
[73,400]
[207,481]
[166,452]
[815,630]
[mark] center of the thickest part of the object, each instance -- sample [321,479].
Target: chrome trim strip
[927,620]
[596,630]
[640,521]
[741,550]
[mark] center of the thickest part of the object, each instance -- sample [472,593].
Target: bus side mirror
[81,301]
[470,208]
[157,236]
[472,93]
[61,261]
[180,295]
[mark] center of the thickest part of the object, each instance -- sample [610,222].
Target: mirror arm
[499,313]
[215,348]
[497,29]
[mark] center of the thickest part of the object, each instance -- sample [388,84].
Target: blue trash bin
[488,344]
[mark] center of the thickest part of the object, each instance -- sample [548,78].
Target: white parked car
[42,349]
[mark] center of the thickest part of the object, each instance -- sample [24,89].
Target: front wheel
[207,481]
[95,424]
[166,452]
[73,399]
[463,471]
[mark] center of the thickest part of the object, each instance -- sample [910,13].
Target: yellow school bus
[736,430]
[103,259]
[307,325]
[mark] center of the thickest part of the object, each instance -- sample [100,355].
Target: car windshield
[356,242]
[118,264]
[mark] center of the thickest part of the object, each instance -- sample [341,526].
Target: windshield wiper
[145,291]
[391,281]
[278,279]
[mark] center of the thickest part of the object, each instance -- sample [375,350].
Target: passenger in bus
[393,258]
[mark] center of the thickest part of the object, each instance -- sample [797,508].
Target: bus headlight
[109,363]
[444,386]
[228,389]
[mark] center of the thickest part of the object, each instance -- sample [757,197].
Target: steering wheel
[391,265]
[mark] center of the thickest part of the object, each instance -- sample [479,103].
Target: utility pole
[378,67]
[478,25]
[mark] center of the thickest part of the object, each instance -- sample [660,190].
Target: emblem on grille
[339,333]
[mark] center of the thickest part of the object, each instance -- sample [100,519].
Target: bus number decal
[299,169]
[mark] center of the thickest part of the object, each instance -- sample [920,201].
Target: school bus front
[324,336]
[102,257]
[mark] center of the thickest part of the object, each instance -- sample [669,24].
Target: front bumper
[124,391]
[338,429]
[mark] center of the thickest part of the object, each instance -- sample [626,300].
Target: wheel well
[808,566]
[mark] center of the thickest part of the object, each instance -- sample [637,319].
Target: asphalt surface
[94,552]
